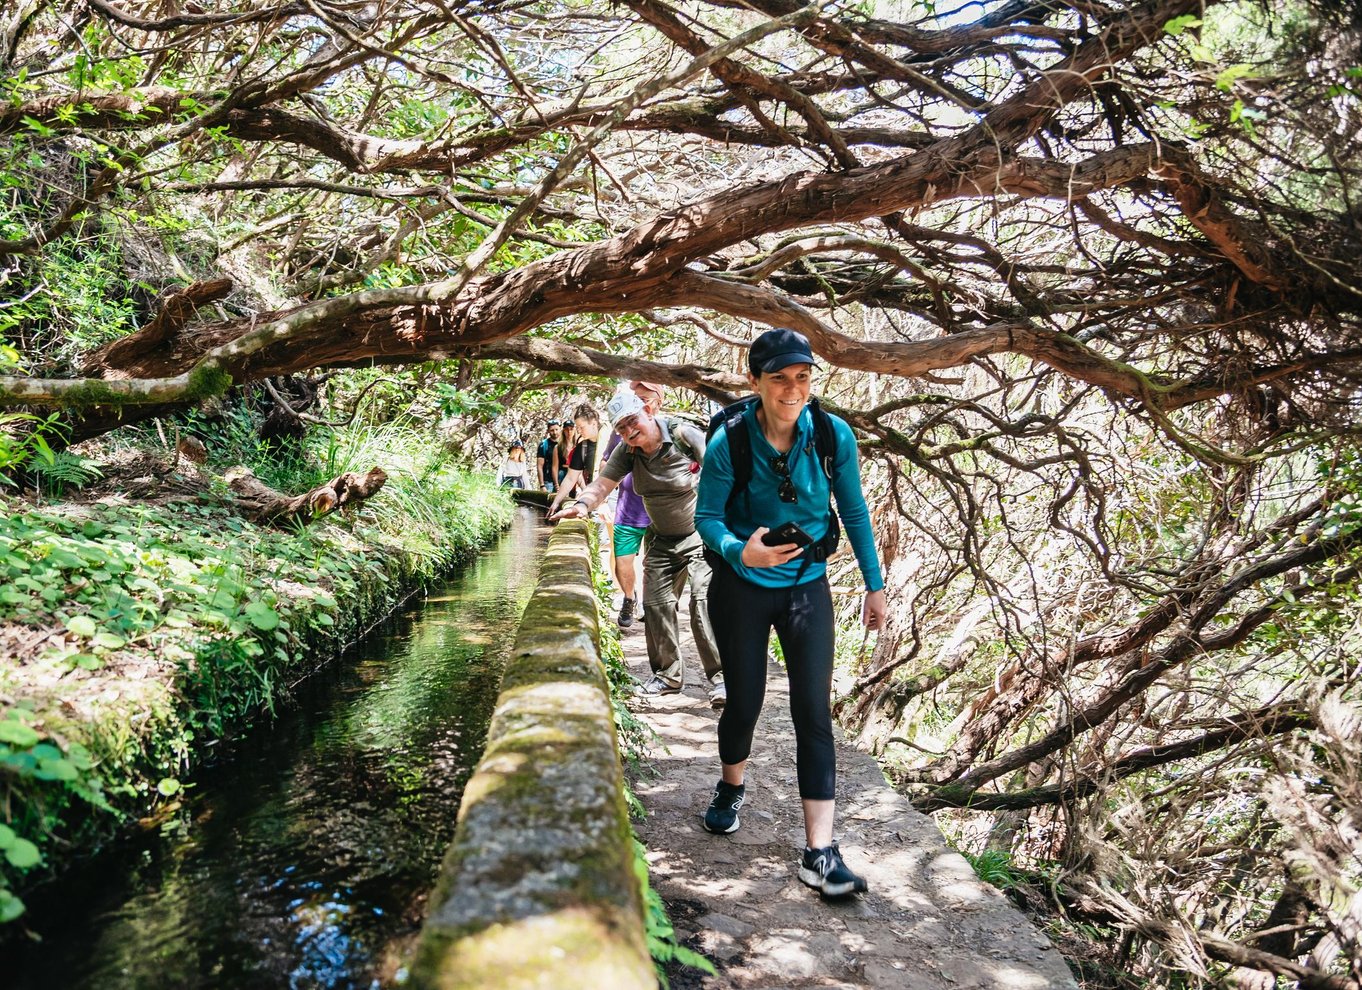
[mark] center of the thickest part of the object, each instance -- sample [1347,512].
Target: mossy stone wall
[538,889]
[532,496]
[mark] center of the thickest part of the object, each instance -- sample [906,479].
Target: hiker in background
[563,452]
[543,455]
[664,456]
[631,516]
[773,466]
[515,470]
[582,458]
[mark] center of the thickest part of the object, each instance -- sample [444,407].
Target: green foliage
[634,735]
[435,508]
[459,402]
[662,941]
[23,441]
[57,471]
[994,867]
[46,774]
[75,295]
[1178,25]
[238,610]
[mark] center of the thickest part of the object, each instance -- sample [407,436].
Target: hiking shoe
[626,618]
[657,686]
[824,870]
[721,817]
[718,694]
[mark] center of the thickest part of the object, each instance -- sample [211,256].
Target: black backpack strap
[733,419]
[737,430]
[824,437]
[825,449]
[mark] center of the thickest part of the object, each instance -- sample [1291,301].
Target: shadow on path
[928,923]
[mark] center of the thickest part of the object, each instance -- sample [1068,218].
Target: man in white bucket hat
[664,455]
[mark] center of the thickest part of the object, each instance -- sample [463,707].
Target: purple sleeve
[629,510]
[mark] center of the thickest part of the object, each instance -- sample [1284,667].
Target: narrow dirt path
[928,923]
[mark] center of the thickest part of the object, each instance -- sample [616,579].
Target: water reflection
[304,862]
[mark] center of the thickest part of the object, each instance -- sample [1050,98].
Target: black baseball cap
[779,348]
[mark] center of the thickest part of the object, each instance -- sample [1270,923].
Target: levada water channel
[304,859]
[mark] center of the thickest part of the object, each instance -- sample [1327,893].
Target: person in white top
[515,470]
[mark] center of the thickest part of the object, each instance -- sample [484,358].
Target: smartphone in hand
[787,533]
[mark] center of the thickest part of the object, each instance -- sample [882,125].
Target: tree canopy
[1091,187]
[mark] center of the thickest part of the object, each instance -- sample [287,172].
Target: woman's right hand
[758,554]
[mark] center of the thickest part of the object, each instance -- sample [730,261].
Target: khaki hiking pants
[668,562]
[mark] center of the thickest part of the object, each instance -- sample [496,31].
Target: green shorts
[628,539]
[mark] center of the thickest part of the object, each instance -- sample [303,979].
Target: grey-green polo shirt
[665,481]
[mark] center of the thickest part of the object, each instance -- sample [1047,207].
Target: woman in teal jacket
[758,588]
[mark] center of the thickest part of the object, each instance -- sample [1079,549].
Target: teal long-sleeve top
[763,507]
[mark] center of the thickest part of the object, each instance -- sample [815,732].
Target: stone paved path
[927,923]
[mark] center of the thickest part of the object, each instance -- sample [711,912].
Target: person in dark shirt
[581,461]
[543,455]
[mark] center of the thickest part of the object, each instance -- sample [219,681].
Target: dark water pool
[305,859]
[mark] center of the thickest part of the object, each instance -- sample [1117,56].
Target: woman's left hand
[758,554]
[872,612]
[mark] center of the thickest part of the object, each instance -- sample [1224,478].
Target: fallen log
[263,504]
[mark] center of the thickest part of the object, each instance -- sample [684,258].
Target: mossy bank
[136,636]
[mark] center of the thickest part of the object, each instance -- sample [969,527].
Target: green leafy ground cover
[134,637]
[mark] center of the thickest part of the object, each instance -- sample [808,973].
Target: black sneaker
[824,870]
[626,618]
[722,816]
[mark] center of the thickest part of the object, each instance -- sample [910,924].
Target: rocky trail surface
[927,923]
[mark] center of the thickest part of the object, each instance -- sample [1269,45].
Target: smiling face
[640,430]
[783,393]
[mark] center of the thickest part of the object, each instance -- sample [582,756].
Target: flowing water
[304,859]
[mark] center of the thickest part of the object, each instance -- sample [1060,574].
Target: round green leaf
[7,837]
[262,616]
[17,734]
[23,855]
[56,770]
[82,625]
[168,786]
[10,907]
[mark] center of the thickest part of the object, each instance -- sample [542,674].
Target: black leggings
[743,615]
